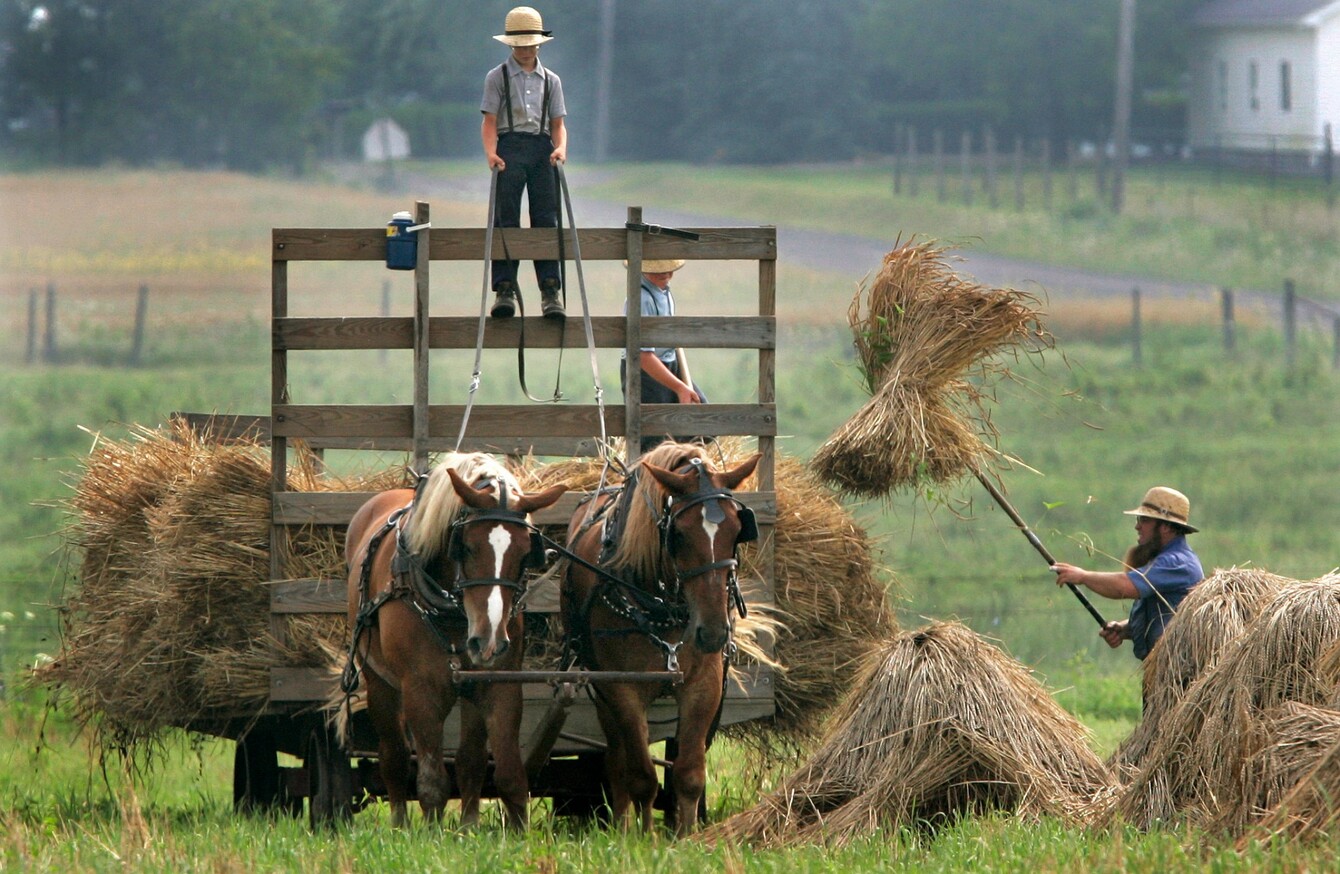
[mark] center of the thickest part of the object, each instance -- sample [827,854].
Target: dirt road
[855,255]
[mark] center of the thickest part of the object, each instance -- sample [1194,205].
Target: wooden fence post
[49,340]
[1018,174]
[1137,351]
[141,315]
[31,355]
[1290,323]
[965,166]
[938,144]
[386,313]
[1328,166]
[1047,174]
[897,159]
[912,171]
[1226,305]
[1072,169]
[989,177]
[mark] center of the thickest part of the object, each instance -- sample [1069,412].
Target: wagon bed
[564,747]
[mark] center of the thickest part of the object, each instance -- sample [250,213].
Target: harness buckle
[672,656]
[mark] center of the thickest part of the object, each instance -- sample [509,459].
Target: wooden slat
[337,508]
[709,419]
[459,332]
[309,596]
[751,686]
[226,428]
[321,421]
[526,244]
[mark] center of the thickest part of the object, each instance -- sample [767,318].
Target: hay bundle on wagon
[830,603]
[1205,766]
[171,618]
[925,340]
[940,724]
[1206,624]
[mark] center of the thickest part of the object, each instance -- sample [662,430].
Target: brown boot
[551,303]
[504,304]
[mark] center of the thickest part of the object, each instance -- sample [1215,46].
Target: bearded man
[1161,570]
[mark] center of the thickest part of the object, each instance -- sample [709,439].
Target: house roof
[1228,13]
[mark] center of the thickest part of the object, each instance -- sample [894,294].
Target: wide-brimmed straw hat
[524,27]
[1168,505]
[660,265]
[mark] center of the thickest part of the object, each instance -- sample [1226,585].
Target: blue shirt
[658,302]
[1162,585]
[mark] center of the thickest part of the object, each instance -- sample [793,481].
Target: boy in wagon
[524,139]
[1161,570]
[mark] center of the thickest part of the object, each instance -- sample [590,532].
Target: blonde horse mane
[639,547]
[437,503]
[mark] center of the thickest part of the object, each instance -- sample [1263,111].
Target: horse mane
[437,503]
[639,548]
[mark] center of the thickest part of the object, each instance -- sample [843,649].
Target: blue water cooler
[402,244]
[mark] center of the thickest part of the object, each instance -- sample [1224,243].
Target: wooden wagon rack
[292,722]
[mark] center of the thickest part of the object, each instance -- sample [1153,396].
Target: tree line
[261,84]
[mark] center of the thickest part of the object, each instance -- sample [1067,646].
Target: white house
[1265,76]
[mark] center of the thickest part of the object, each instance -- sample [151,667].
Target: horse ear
[540,500]
[479,499]
[732,478]
[675,483]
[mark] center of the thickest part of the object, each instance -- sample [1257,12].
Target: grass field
[1251,441]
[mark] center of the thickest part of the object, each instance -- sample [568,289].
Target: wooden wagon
[563,741]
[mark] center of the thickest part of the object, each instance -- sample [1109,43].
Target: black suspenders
[507,100]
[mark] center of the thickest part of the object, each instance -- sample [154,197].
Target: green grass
[1251,441]
[61,811]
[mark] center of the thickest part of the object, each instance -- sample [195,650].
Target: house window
[1286,86]
[1222,85]
[1253,85]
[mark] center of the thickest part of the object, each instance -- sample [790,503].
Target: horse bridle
[502,514]
[429,598]
[710,497]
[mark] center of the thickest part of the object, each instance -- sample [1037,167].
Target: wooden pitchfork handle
[684,374]
[1037,544]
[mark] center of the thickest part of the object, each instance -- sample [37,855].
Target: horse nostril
[710,640]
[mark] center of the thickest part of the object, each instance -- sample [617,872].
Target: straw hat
[524,27]
[1165,504]
[661,265]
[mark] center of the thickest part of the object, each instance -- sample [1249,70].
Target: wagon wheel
[256,784]
[330,780]
[589,798]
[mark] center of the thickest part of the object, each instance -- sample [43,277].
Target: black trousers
[655,393]
[528,170]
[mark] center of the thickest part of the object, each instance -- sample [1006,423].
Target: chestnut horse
[434,574]
[665,544]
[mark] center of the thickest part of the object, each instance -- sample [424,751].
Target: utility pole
[1121,123]
[604,80]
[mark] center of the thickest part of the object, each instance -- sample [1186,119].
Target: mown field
[1250,440]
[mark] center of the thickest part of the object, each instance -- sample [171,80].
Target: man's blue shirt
[1162,585]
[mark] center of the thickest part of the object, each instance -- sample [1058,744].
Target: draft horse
[435,574]
[651,586]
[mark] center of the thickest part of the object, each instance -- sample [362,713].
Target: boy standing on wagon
[524,139]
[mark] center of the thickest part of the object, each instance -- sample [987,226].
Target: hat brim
[522,40]
[665,265]
[1189,529]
